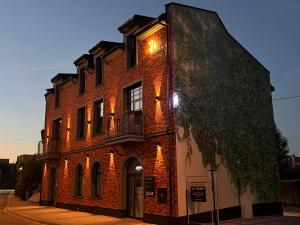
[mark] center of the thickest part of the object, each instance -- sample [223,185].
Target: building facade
[110,142]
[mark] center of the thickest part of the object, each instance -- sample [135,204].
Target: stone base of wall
[267,209]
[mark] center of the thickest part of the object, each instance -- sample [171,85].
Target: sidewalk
[57,216]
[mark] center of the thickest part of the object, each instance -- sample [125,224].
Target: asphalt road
[8,219]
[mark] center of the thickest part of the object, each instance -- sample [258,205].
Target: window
[81,123]
[81,81]
[135,96]
[99,71]
[78,180]
[98,116]
[96,180]
[56,131]
[131,51]
[56,92]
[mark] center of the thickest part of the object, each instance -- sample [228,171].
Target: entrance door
[52,186]
[135,189]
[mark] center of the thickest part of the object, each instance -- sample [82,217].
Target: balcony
[53,153]
[125,129]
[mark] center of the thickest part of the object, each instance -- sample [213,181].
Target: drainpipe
[169,78]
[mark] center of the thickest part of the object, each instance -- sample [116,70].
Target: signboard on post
[149,186]
[198,193]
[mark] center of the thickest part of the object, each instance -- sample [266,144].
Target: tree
[282,149]
[29,179]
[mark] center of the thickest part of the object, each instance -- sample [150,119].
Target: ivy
[225,103]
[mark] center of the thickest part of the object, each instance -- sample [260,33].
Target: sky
[38,39]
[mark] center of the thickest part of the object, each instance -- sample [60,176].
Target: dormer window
[81,81]
[99,70]
[131,51]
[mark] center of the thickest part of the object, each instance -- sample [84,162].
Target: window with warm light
[135,98]
[98,116]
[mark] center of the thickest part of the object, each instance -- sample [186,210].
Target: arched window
[96,180]
[78,180]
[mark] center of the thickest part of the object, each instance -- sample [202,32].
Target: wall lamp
[157,98]
[88,122]
[68,129]
[112,114]
[87,156]
[158,146]
[66,160]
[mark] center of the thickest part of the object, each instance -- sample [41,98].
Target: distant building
[109,141]
[6,172]
[22,159]
[293,161]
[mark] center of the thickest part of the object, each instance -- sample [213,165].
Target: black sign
[198,193]
[149,186]
[162,195]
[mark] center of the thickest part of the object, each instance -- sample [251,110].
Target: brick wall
[152,71]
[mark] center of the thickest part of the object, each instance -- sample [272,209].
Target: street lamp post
[216,222]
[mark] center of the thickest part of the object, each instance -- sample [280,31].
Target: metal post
[213,191]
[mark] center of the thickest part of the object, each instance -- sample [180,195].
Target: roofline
[210,11]
[120,28]
[98,45]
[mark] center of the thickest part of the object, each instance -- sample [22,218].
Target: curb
[13,213]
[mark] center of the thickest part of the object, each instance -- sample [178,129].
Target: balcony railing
[53,149]
[129,124]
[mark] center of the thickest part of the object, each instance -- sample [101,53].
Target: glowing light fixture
[111,153]
[175,100]
[112,114]
[138,168]
[157,98]
[152,46]
[66,160]
[87,156]
[68,129]
[88,122]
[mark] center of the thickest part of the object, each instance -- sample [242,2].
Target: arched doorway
[52,186]
[135,188]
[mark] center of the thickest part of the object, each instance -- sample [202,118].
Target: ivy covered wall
[225,100]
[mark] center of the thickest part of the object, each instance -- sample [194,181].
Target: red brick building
[109,142]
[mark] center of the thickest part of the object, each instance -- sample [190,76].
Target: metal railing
[52,145]
[127,123]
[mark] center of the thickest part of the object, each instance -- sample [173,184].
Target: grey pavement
[26,212]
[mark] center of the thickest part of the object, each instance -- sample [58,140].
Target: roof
[63,76]
[84,58]
[135,20]
[105,45]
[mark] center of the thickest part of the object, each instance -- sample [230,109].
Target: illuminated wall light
[157,98]
[111,153]
[175,100]
[112,114]
[158,147]
[68,129]
[88,122]
[87,156]
[152,46]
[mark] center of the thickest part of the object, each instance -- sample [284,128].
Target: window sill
[96,197]
[131,68]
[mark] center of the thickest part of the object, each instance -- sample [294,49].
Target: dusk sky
[38,39]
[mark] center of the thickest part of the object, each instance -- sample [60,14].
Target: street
[8,219]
